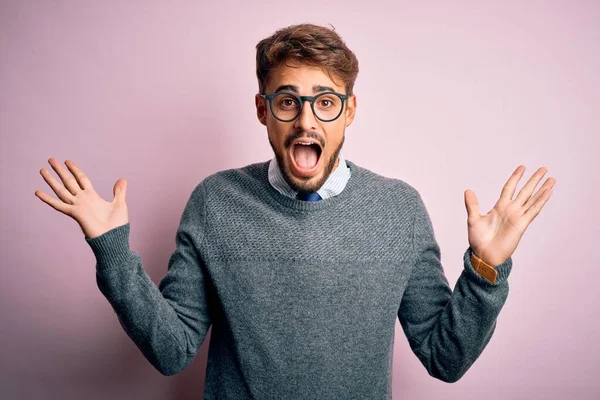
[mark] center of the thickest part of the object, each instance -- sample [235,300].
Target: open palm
[78,199]
[495,236]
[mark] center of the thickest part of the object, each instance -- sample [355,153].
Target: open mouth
[305,156]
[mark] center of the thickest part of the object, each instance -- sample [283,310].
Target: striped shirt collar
[335,183]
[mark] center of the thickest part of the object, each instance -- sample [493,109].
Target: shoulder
[384,185]
[249,172]
[232,180]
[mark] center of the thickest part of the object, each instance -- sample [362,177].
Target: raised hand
[494,236]
[78,199]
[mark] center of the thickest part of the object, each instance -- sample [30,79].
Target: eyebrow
[315,88]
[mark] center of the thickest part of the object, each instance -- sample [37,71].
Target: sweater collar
[354,184]
[334,185]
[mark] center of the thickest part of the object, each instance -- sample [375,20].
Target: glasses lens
[285,106]
[327,106]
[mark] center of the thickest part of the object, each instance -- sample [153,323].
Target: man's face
[296,163]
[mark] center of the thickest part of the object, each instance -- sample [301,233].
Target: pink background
[451,95]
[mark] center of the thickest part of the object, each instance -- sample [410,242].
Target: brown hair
[306,44]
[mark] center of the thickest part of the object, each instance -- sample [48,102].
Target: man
[302,264]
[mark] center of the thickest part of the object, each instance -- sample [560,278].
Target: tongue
[306,156]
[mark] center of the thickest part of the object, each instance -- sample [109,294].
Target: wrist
[483,268]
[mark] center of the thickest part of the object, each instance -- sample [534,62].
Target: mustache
[304,134]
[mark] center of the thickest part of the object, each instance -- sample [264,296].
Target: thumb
[471,204]
[120,190]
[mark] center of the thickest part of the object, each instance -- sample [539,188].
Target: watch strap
[484,269]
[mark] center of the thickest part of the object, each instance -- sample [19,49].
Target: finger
[471,204]
[119,190]
[82,179]
[535,209]
[526,190]
[508,190]
[54,203]
[59,189]
[123,191]
[548,184]
[68,179]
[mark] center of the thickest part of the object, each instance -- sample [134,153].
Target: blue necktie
[308,196]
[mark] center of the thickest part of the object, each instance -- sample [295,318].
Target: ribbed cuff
[111,248]
[502,269]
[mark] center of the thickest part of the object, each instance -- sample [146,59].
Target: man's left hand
[493,237]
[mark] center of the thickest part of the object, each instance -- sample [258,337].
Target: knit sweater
[302,296]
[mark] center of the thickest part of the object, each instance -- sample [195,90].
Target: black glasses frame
[301,100]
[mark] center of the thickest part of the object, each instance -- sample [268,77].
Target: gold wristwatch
[484,269]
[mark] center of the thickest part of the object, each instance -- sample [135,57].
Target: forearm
[448,329]
[165,337]
[465,325]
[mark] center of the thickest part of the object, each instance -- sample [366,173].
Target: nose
[307,119]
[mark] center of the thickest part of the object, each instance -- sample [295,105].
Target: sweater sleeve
[168,323]
[448,330]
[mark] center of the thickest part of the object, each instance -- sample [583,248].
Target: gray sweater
[302,296]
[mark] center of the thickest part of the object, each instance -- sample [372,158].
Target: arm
[448,330]
[168,323]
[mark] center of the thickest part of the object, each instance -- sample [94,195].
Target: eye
[327,102]
[288,102]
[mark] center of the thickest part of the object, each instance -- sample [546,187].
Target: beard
[305,186]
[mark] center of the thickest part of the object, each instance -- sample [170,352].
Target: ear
[350,109]
[261,110]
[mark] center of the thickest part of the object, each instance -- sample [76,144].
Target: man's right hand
[78,199]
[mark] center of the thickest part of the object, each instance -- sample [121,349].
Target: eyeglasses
[287,106]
